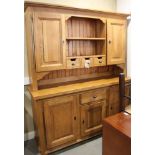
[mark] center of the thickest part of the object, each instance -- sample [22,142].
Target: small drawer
[87,62]
[94,95]
[99,61]
[73,63]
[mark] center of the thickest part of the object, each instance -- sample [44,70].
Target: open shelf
[78,38]
[82,27]
[86,56]
[85,47]
[85,36]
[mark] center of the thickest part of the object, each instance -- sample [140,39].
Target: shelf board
[78,38]
[72,57]
[73,88]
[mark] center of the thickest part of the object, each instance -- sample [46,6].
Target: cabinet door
[60,120]
[91,117]
[114,102]
[116,41]
[49,41]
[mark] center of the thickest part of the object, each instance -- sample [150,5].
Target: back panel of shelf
[87,28]
[85,48]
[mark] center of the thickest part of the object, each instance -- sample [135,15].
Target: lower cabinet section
[65,120]
[92,115]
[60,120]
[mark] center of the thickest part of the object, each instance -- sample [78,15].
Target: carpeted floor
[89,147]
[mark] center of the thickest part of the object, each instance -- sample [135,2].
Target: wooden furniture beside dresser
[117,134]
[74,57]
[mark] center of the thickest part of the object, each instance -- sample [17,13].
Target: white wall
[125,6]
[88,4]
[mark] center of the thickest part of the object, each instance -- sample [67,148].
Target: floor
[89,147]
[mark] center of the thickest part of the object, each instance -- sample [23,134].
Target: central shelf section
[85,36]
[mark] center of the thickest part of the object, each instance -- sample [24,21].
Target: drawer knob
[94,96]
[109,41]
[74,117]
[73,64]
[100,61]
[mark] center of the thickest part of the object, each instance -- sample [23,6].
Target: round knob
[73,64]
[94,96]
[100,61]
[109,41]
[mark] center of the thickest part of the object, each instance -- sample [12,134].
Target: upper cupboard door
[49,41]
[116,41]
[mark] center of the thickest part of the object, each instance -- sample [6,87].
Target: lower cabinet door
[91,117]
[60,115]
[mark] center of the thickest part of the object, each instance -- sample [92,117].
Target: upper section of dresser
[67,44]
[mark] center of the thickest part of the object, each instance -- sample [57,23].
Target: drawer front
[87,62]
[94,95]
[73,63]
[99,61]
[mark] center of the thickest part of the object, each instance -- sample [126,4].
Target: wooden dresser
[74,57]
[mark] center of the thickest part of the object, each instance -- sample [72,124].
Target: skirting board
[29,135]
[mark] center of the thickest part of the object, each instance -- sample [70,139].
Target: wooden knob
[74,117]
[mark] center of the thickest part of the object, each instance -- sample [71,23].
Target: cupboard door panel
[91,117]
[60,120]
[116,44]
[49,38]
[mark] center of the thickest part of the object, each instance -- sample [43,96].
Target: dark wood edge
[105,121]
[40,4]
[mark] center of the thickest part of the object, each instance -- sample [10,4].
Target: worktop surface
[73,88]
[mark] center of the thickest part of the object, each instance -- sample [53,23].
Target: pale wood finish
[60,120]
[30,48]
[91,96]
[38,111]
[56,78]
[92,115]
[116,41]
[49,41]
[82,111]
[73,63]
[78,71]
[78,38]
[99,61]
[87,37]
[68,8]
[81,33]
[44,84]
[73,88]
[60,40]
